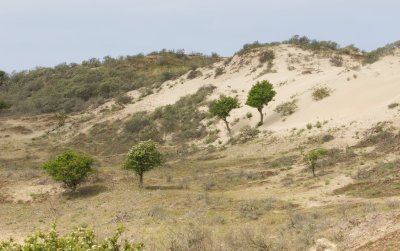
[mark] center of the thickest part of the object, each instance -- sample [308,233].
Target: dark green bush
[75,87]
[70,168]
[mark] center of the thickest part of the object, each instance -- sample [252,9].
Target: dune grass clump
[320,93]
[287,108]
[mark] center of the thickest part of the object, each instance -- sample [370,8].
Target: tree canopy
[143,157]
[260,95]
[222,108]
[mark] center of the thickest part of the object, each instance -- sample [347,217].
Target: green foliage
[81,239]
[222,108]
[287,108]
[61,118]
[70,167]
[259,95]
[309,126]
[75,87]
[375,55]
[3,105]
[142,158]
[312,157]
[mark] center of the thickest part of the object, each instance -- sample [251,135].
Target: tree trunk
[141,180]
[261,116]
[313,169]
[227,125]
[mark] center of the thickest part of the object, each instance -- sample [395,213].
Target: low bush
[391,106]
[71,168]
[194,74]
[320,93]
[79,239]
[218,71]
[336,61]
[266,56]
[287,108]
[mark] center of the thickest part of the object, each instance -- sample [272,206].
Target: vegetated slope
[351,92]
[76,87]
[246,191]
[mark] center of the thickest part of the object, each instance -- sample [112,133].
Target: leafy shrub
[320,93]
[249,115]
[309,126]
[79,239]
[287,108]
[142,158]
[313,156]
[70,167]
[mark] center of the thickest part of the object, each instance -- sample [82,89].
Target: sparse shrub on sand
[336,61]
[320,93]
[287,108]
[218,71]
[123,99]
[194,74]
[393,105]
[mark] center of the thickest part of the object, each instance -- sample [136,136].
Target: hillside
[248,190]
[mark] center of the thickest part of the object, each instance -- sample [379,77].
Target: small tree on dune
[143,157]
[260,95]
[222,108]
[313,156]
[70,167]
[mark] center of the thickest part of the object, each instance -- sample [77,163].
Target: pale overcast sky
[48,32]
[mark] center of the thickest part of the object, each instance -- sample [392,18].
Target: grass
[320,93]
[287,108]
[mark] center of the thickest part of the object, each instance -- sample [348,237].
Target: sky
[48,32]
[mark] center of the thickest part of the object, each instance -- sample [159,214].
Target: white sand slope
[360,93]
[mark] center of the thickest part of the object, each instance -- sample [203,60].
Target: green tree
[2,77]
[3,105]
[313,156]
[143,157]
[222,107]
[259,95]
[70,167]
